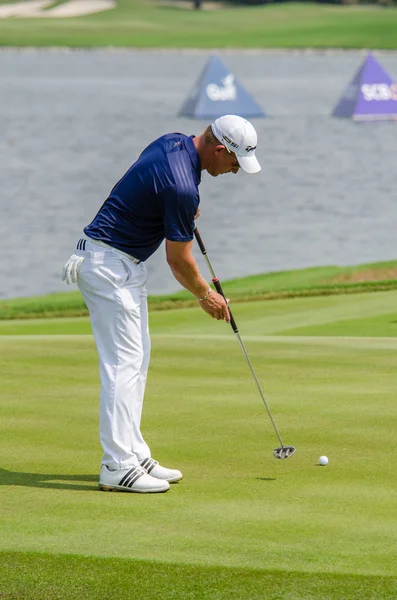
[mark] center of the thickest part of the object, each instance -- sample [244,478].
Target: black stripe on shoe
[131,477]
[130,482]
[149,464]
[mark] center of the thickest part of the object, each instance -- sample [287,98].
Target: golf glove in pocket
[71,269]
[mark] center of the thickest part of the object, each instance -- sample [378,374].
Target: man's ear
[220,148]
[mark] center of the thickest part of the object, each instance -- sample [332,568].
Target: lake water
[72,122]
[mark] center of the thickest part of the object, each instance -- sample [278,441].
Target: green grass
[316,281]
[241,525]
[143,24]
[369,314]
[57,577]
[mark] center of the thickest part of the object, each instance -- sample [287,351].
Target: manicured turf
[139,23]
[241,524]
[315,281]
[369,314]
[55,577]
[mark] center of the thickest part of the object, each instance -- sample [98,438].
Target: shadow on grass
[61,482]
[45,480]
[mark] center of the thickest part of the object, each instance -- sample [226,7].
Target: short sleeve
[180,208]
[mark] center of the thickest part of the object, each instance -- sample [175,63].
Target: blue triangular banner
[217,92]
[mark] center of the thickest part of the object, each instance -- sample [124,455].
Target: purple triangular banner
[371,96]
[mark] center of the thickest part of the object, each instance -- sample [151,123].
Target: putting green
[240,519]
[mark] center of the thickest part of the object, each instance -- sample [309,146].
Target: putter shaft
[233,324]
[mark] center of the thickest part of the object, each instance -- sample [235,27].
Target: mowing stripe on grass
[357,342]
[364,315]
[32,576]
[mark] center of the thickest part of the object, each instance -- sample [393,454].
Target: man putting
[156,199]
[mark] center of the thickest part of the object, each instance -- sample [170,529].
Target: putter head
[284,452]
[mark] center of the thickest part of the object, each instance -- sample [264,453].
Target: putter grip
[200,241]
[219,289]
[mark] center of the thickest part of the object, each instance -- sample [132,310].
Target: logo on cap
[250,148]
[229,141]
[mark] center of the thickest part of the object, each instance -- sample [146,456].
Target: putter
[282,451]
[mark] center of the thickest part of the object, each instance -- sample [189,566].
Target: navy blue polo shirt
[157,198]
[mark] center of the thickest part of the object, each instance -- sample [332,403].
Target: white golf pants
[113,287]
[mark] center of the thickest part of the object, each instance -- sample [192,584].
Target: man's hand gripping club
[214,304]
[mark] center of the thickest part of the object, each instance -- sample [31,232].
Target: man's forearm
[188,275]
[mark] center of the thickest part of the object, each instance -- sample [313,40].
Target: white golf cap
[239,136]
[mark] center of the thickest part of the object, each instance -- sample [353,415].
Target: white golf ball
[323,460]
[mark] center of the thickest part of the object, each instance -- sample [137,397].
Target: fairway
[241,524]
[145,24]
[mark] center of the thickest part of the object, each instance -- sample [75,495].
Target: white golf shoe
[157,471]
[132,479]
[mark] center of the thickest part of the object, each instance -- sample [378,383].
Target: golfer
[156,199]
